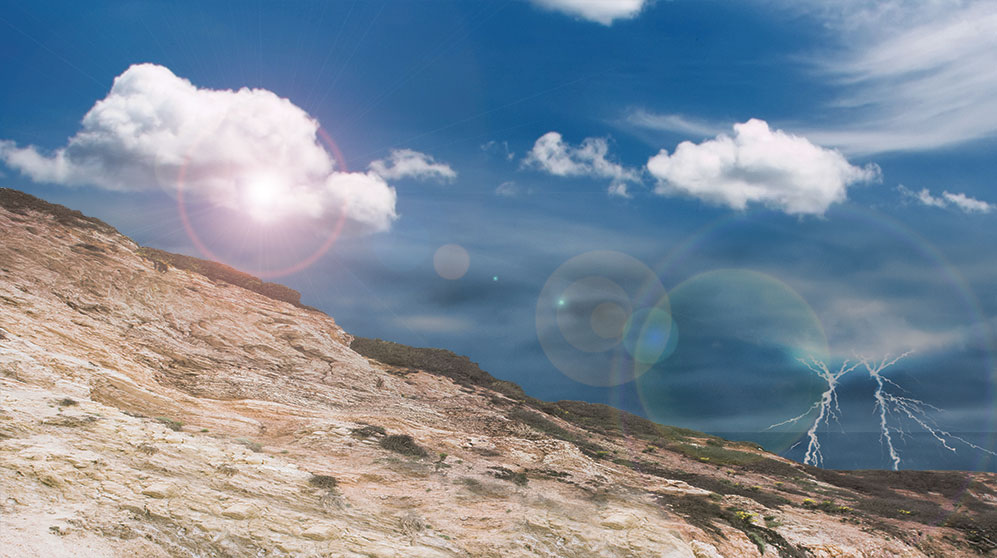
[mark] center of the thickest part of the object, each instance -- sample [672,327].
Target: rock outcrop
[150,408]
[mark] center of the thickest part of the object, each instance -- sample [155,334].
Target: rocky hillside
[156,405]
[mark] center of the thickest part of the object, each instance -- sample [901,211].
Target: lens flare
[734,364]
[650,335]
[301,244]
[588,312]
[598,318]
[451,261]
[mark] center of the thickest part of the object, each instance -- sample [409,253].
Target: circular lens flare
[261,199]
[650,335]
[586,310]
[451,261]
[727,355]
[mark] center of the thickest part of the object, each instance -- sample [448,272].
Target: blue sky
[574,193]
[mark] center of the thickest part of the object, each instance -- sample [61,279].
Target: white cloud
[248,150]
[500,148]
[759,165]
[599,11]
[406,163]
[968,204]
[867,326]
[960,201]
[912,74]
[507,189]
[924,196]
[672,123]
[552,155]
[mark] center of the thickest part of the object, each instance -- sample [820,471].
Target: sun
[262,197]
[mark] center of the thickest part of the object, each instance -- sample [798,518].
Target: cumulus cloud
[247,150]
[552,155]
[599,11]
[406,163]
[759,165]
[960,201]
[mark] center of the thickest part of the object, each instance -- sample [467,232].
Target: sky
[702,212]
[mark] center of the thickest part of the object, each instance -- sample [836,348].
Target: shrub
[501,473]
[324,482]
[173,425]
[367,431]
[253,446]
[403,444]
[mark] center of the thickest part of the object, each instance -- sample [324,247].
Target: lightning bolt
[915,410]
[888,404]
[827,406]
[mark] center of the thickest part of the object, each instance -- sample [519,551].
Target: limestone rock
[158,490]
[320,532]
[239,511]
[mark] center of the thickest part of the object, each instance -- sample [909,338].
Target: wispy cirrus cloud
[905,75]
[959,201]
[911,76]
[677,123]
[599,11]
[406,163]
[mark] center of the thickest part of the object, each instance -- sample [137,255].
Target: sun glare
[261,197]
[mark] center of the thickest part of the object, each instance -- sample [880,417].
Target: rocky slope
[154,405]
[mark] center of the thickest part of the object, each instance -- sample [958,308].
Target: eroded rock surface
[159,413]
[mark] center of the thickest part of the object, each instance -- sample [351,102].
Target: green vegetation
[367,431]
[324,482]
[173,425]
[826,506]
[502,473]
[539,423]
[593,417]
[250,444]
[221,272]
[403,444]
[441,362]
[705,514]
[21,203]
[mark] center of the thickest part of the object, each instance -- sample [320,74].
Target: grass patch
[705,514]
[441,362]
[502,473]
[715,484]
[719,455]
[325,482]
[250,444]
[221,272]
[540,423]
[979,531]
[173,425]
[367,431]
[20,203]
[403,444]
